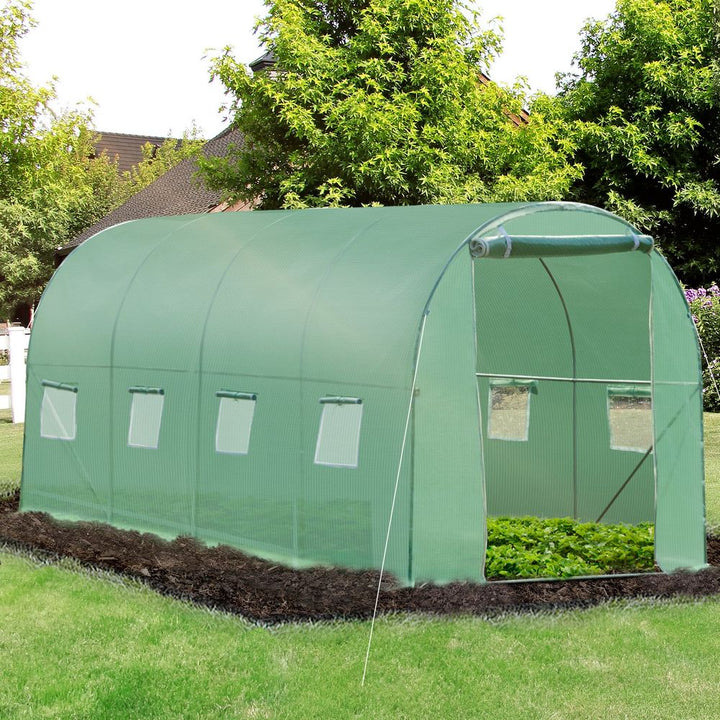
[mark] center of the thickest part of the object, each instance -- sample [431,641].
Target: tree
[51,184]
[49,187]
[646,108]
[383,101]
[157,160]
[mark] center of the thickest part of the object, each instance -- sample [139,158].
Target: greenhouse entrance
[564,385]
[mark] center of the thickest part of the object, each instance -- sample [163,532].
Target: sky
[145,63]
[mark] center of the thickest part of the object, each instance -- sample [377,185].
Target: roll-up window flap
[629,390]
[146,390]
[59,385]
[236,395]
[531,385]
[506,245]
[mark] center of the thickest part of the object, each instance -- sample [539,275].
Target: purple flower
[695,320]
[714,290]
[702,292]
[690,295]
[707,303]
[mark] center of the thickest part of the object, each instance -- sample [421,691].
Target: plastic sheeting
[247,377]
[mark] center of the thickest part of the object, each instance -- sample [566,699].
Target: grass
[712,470]
[11,439]
[76,646]
[82,646]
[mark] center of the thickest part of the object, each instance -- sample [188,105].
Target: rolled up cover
[504,245]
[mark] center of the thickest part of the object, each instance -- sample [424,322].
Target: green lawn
[76,645]
[712,470]
[11,438]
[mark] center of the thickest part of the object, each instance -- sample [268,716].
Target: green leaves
[704,304]
[44,171]
[26,236]
[51,185]
[157,161]
[527,547]
[393,109]
[645,111]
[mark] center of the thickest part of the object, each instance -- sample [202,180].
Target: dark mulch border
[224,578]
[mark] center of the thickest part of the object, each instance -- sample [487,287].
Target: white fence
[16,342]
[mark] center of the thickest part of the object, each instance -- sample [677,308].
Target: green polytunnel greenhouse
[296,383]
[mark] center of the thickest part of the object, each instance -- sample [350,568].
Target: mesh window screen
[630,419]
[145,417]
[338,440]
[234,422]
[509,411]
[57,414]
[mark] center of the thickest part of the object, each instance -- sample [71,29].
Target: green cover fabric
[677,417]
[295,382]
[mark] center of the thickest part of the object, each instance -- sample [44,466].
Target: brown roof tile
[126,148]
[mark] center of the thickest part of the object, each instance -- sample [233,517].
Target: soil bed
[225,578]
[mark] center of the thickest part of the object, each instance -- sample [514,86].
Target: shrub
[527,547]
[705,308]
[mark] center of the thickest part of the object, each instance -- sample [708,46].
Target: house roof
[265,61]
[126,148]
[177,192]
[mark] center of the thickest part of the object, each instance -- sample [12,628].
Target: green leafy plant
[52,186]
[705,308]
[384,101]
[642,108]
[527,547]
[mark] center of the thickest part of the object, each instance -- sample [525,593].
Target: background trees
[47,183]
[383,101]
[645,111]
[157,160]
[51,185]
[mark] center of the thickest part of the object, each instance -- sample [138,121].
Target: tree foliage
[156,161]
[705,308]
[51,185]
[383,101]
[646,103]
